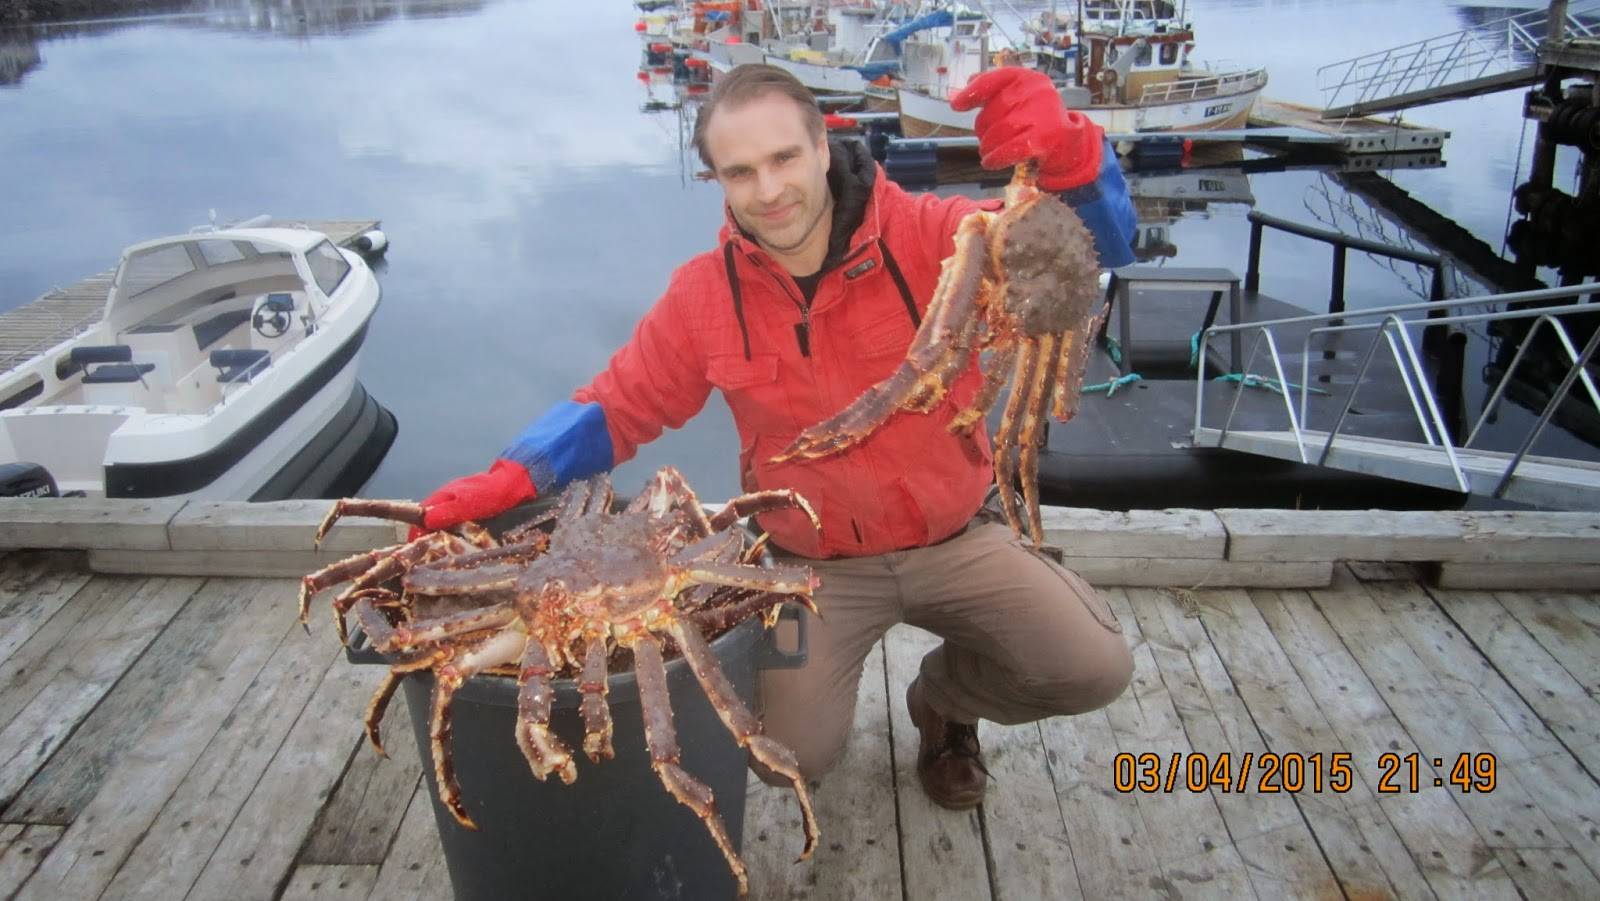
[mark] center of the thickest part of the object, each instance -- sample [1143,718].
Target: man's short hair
[742,84]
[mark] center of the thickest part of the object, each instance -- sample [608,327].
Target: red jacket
[912,482]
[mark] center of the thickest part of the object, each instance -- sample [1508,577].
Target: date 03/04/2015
[1268,772]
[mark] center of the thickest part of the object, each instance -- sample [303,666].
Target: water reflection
[538,192]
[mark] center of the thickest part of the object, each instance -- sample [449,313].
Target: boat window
[1144,56]
[328,266]
[152,268]
[218,252]
[1169,54]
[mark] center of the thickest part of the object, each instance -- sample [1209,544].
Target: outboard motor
[26,480]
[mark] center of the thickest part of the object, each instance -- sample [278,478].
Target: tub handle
[769,656]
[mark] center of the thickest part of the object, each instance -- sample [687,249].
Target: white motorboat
[223,368]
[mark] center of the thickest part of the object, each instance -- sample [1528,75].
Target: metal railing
[1500,47]
[1390,327]
[1342,245]
[1183,89]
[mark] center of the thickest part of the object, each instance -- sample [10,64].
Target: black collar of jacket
[851,174]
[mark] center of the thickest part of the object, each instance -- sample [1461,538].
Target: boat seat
[114,373]
[211,331]
[113,363]
[239,365]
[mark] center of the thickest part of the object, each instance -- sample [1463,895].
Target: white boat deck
[180,736]
[64,313]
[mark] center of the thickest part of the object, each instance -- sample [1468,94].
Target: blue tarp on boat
[932,20]
[870,71]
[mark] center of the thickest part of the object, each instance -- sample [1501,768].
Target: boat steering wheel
[273,316]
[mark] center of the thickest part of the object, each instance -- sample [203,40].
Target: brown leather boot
[949,761]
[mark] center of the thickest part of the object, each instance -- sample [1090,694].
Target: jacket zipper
[802,329]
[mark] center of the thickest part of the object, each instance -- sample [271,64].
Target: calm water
[535,210]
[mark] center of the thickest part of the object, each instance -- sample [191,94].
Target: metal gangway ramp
[1436,458]
[1494,56]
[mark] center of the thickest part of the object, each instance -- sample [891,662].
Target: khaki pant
[1024,639]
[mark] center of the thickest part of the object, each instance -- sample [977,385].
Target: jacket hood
[852,176]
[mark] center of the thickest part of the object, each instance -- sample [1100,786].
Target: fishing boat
[1127,66]
[223,368]
[833,49]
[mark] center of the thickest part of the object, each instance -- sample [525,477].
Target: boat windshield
[157,266]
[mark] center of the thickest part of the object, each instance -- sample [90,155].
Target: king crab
[1021,284]
[561,607]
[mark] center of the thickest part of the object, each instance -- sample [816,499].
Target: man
[814,294]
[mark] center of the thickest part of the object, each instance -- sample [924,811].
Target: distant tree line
[17,12]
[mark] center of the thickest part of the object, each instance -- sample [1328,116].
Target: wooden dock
[64,313]
[170,732]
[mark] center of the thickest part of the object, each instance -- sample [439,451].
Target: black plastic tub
[614,833]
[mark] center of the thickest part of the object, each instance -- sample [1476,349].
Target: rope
[1111,387]
[1113,350]
[1251,380]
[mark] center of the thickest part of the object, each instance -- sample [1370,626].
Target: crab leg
[995,370]
[546,753]
[481,619]
[1005,467]
[744,726]
[761,502]
[378,706]
[340,571]
[1070,388]
[779,579]
[597,725]
[399,511]
[662,739]
[960,281]
[462,665]
[1038,392]
[493,577]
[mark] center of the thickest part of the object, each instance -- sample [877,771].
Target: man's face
[773,173]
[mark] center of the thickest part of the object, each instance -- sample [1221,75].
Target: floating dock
[67,312]
[173,733]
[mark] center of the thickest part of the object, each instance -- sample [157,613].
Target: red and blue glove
[479,496]
[1023,119]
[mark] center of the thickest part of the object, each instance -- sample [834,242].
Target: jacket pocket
[731,371]
[888,337]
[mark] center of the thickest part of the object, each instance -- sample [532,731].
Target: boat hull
[922,116]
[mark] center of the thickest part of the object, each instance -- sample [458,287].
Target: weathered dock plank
[1367,851]
[1280,853]
[261,842]
[1148,572]
[132,797]
[415,866]
[83,667]
[74,774]
[941,850]
[325,882]
[34,588]
[1453,856]
[279,526]
[1163,534]
[187,834]
[1029,853]
[358,824]
[1479,536]
[22,848]
[1522,744]
[1507,818]
[1197,851]
[85,522]
[234,564]
[1573,715]
[1518,576]
[855,807]
[1111,850]
[1557,622]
